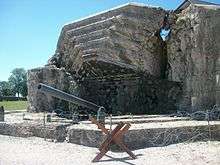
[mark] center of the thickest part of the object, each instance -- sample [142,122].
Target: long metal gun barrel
[68,97]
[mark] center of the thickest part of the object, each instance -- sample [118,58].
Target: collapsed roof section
[124,37]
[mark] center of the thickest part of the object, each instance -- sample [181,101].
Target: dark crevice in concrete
[164,35]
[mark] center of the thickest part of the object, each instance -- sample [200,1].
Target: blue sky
[29,29]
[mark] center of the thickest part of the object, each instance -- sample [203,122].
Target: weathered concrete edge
[56,132]
[153,137]
[134,139]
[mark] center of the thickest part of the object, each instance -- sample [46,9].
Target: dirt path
[26,151]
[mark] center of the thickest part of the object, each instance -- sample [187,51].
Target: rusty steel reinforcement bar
[68,97]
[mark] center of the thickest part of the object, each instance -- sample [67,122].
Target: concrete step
[103,52]
[107,42]
[91,51]
[98,43]
[92,27]
[119,28]
[130,10]
[91,36]
[89,55]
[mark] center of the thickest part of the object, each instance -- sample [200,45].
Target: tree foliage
[6,89]
[18,81]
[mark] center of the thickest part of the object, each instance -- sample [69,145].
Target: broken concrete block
[193,53]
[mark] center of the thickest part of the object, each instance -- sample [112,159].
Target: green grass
[14,105]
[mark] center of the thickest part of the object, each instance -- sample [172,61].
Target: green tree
[18,81]
[6,89]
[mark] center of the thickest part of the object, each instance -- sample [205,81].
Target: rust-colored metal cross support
[114,136]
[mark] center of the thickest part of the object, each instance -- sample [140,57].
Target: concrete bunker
[118,59]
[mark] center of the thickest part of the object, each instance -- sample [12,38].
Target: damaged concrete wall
[126,37]
[136,94]
[53,76]
[124,94]
[121,41]
[193,56]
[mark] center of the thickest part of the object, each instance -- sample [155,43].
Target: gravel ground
[31,151]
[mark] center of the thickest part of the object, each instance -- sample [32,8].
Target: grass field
[14,105]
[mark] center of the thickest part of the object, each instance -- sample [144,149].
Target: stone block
[2,113]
